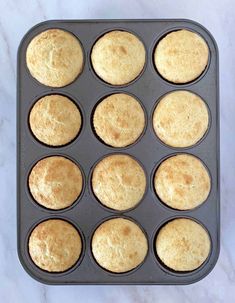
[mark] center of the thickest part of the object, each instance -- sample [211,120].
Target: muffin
[180,119]
[55,182]
[119,182]
[55,120]
[119,120]
[118,57]
[182,182]
[55,245]
[183,245]
[119,245]
[54,57]
[181,56]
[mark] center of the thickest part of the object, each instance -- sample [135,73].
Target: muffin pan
[87,213]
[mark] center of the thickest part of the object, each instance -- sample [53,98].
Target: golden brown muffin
[55,245]
[55,182]
[54,57]
[118,57]
[182,182]
[181,56]
[180,119]
[183,245]
[119,120]
[55,120]
[119,245]
[119,182]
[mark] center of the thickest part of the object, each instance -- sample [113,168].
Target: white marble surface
[15,19]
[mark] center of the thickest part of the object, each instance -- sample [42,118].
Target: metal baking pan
[86,150]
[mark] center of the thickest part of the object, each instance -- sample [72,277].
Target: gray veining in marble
[16,18]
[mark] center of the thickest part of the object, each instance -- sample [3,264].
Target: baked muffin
[182,182]
[54,57]
[55,182]
[119,245]
[119,182]
[55,120]
[183,245]
[55,245]
[119,120]
[180,119]
[181,56]
[118,57]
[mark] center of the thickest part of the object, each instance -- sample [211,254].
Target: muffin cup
[129,272]
[160,262]
[162,35]
[69,270]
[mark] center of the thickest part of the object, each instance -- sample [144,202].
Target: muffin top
[54,57]
[119,120]
[55,120]
[181,56]
[55,245]
[182,182]
[180,119]
[55,182]
[119,182]
[119,245]
[183,245]
[118,57]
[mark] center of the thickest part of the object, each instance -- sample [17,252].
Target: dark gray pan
[87,213]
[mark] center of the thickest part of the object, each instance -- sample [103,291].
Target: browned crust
[55,182]
[55,120]
[54,57]
[55,245]
[119,245]
[119,182]
[118,57]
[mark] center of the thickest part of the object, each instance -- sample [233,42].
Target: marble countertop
[16,18]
